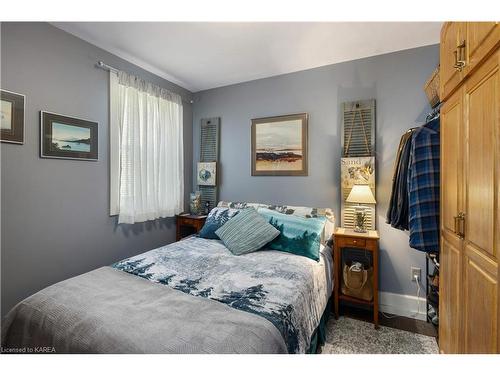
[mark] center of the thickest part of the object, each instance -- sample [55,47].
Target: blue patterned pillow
[216,219]
[246,232]
[298,235]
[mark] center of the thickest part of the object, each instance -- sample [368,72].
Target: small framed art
[12,117]
[207,173]
[64,137]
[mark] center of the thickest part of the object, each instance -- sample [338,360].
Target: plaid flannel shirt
[423,188]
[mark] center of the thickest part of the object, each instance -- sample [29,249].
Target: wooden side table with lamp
[358,238]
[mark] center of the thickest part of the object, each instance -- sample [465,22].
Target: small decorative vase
[195,203]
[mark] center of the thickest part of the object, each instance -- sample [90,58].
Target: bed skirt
[318,338]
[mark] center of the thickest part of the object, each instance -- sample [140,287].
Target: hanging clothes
[414,203]
[402,143]
[423,187]
[397,214]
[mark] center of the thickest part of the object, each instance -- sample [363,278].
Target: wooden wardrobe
[469,311]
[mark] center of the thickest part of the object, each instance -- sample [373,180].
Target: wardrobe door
[452,163]
[481,39]
[482,223]
[451,241]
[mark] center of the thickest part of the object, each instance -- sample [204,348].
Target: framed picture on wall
[12,117]
[356,171]
[207,173]
[279,145]
[64,137]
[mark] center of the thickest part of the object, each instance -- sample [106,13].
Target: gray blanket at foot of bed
[109,311]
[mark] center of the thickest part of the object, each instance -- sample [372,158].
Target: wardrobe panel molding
[450,296]
[481,39]
[481,100]
[480,306]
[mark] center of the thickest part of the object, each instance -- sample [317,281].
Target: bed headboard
[305,212]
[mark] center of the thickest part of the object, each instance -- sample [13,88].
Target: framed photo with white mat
[12,117]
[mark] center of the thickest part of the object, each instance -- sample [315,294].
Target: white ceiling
[199,56]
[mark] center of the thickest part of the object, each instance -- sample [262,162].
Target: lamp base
[360,220]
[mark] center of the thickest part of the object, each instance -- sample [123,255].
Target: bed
[191,296]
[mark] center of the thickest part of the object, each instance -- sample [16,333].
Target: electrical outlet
[415,271]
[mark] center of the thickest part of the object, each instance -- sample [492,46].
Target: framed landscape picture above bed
[64,137]
[12,117]
[279,145]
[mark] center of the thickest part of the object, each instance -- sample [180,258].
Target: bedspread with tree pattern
[288,290]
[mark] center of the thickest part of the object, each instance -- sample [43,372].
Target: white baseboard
[402,305]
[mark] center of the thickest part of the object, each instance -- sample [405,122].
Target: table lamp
[361,194]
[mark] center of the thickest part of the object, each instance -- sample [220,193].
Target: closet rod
[101,65]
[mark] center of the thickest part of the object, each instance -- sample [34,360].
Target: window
[146,150]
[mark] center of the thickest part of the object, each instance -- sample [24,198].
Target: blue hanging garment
[423,187]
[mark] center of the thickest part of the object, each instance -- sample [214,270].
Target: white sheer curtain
[146,145]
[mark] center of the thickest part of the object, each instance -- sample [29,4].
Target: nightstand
[188,224]
[348,238]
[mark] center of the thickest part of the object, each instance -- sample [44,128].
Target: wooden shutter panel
[209,151]
[358,128]
[358,145]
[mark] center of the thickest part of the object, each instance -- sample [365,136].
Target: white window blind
[146,150]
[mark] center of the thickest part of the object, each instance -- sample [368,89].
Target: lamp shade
[361,194]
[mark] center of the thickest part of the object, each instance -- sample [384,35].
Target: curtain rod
[102,65]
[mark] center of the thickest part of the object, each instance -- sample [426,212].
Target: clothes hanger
[434,113]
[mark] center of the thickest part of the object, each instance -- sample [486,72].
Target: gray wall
[55,221]
[395,80]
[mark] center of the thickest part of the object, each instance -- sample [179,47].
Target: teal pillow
[246,232]
[298,235]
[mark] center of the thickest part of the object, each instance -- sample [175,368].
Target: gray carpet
[350,336]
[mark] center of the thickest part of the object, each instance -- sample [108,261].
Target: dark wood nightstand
[188,224]
[348,238]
